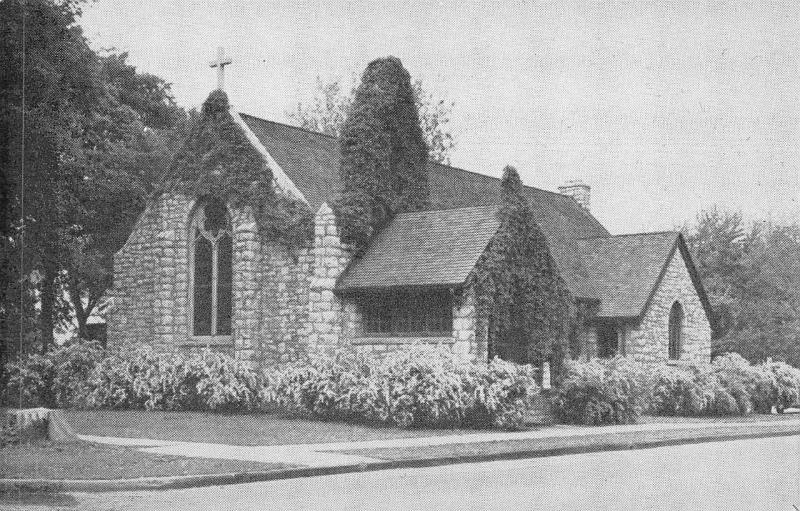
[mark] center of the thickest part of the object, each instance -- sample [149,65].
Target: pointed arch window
[211,267]
[675,331]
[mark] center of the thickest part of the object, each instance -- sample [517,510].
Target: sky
[663,108]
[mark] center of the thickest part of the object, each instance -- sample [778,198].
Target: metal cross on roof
[220,62]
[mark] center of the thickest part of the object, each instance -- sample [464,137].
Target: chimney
[578,190]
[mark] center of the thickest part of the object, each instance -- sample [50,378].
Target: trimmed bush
[601,392]
[419,387]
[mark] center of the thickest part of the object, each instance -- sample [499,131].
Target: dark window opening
[407,313]
[675,331]
[607,340]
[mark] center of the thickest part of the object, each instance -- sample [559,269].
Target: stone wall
[649,340]
[152,278]
[282,307]
[464,326]
[329,257]
[150,293]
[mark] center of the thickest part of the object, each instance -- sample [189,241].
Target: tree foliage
[218,160]
[327,110]
[383,153]
[61,101]
[521,298]
[752,276]
[81,136]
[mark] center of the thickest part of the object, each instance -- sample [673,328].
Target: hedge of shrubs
[618,391]
[419,387]
[423,386]
[81,375]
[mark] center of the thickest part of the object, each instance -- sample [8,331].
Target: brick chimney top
[578,190]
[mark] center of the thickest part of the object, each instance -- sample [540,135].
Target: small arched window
[675,331]
[211,270]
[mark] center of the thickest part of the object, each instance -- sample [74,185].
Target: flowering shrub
[9,432]
[418,387]
[751,386]
[138,377]
[55,379]
[681,391]
[729,385]
[321,385]
[601,392]
[785,385]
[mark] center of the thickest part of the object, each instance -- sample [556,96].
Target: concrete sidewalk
[342,457]
[342,453]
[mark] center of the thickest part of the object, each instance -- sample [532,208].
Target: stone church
[195,272]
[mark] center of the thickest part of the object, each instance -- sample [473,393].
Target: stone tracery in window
[212,270]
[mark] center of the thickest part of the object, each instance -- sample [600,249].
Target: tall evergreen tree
[383,153]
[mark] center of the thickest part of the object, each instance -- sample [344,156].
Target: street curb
[197,481]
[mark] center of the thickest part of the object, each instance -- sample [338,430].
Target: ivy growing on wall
[523,305]
[217,160]
[383,153]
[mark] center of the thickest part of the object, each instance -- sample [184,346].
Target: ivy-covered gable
[218,160]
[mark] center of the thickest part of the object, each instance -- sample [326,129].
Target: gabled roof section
[311,161]
[428,248]
[626,270]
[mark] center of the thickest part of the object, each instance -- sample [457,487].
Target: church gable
[221,157]
[674,324]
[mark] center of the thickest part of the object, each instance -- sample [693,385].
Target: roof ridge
[650,233]
[287,125]
[424,211]
[312,132]
[561,195]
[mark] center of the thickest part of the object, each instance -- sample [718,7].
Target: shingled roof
[441,246]
[437,248]
[311,160]
[626,269]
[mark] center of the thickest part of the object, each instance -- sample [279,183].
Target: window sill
[210,340]
[377,339]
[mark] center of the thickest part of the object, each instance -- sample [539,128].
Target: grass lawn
[755,417]
[84,460]
[607,438]
[236,429]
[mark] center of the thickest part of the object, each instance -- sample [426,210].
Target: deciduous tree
[327,110]
[752,276]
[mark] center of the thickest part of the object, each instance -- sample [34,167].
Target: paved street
[761,474]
